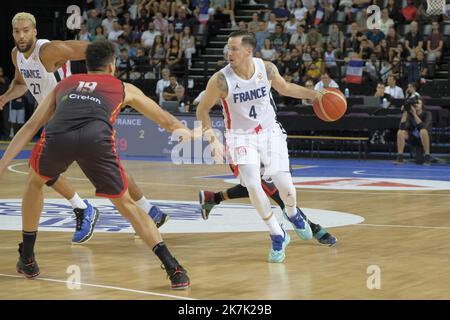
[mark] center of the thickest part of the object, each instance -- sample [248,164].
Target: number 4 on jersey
[88,87]
[252,113]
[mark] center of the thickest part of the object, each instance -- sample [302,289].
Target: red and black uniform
[81,130]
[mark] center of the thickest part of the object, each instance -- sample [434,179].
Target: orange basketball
[331,106]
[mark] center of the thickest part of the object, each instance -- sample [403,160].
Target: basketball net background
[435,7]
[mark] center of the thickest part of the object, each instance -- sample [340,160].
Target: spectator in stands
[117,31]
[187,44]
[279,39]
[130,35]
[83,35]
[141,65]
[298,38]
[116,6]
[143,20]
[435,44]
[291,26]
[272,23]
[392,42]
[162,84]
[160,23]
[353,41]
[315,67]
[171,34]
[295,65]
[268,52]
[108,22]
[148,37]
[413,40]
[336,39]
[330,59]
[122,44]
[306,56]
[309,84]
[411,91]
[173,54]
[310,16]
[169,91]
[93,21]
[99,34]
[126,19]
[393,90]
[374,36]
[394,9]
[16,115]
[4,85]
[124,65]
[242,26]
[410,12]
[253,25]
[157,53]
[261,35]
[386,22]
[365,51]
[315,40]
[382,94]
[380,135]
[362,21]
[415,128]
[281,12]
[325,82]
[417,68]
[223,7]
[183,101]
[300,11]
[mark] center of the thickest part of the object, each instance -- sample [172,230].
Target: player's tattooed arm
[221,82]
[271,70]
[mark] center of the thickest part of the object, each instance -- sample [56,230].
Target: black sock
[29,238]
[238,191]
[276,197]
[165,256]
[218,197]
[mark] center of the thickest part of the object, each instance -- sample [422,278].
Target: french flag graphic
[319,16]
[355,71]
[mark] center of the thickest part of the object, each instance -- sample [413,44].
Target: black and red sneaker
[28,267]
[178,278]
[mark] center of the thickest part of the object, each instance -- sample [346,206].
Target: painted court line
[399,226]
[148,293]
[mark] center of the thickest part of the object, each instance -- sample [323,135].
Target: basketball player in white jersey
[39,66]
[253,136]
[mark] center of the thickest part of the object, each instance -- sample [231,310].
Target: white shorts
[16,115]
[268,148]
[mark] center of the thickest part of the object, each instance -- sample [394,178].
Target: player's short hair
[24,16]
[248,38]
[99,54]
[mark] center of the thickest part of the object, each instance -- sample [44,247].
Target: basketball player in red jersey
[39,65]
[78,116]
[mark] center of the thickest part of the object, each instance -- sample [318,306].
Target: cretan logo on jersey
[83,97]
[259,77]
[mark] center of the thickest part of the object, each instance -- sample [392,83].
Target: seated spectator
[187,44]
[142,65]
[281,13]
[126,19]
[330,59]
[108,22]
[160,23]
[93,21]
[352,42]
[381,93]
[362,21]
[99,34]
[162,84]
[242,26]
[294,65]
[181,19]
[325,82]
[394,9]
[415,129]
[279,39]
[116,6]
[253,25]
[83,35]
[315,40]
[117,31]
[336,39]
[173,55]
[374,36]
[300,11]
[183,101]
[291,26]
[386,22]
[417,69]
[124,65]
[379,135]
[381,51]
[435,44]
[365,51]
[130,35]
[393,90]
[121,44]
[261,35]
[391,42]
[16,115]
[306,56]
[410,12]
[309,84]
[157,53]
[314,68]
[413,40]
[411,91]
[272,23]
[223,7]
[299,37]
[171,34]
[268,52]
[169,91]
[148,37]
[143,20]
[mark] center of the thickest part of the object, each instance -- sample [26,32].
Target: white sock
[77,202]
[273,225]
[144,204]
[291,211]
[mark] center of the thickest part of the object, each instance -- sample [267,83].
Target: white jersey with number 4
[39,81]
[248,107]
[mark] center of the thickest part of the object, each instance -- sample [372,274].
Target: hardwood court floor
[405,234]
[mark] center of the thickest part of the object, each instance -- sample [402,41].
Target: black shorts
[92,147]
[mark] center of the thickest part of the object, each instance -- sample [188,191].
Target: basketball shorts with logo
[269,148]
[92,147]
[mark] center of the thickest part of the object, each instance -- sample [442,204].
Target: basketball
[330,106]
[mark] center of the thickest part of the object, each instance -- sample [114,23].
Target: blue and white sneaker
[326,238]
[86,220]
[158,216]
[301,227]
[279,244]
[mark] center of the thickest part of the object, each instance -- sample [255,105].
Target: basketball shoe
[206,199]
[320,233]
[86,219]
[279,244]
[28,267]
[301,227]
[158,216]
[178,277]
